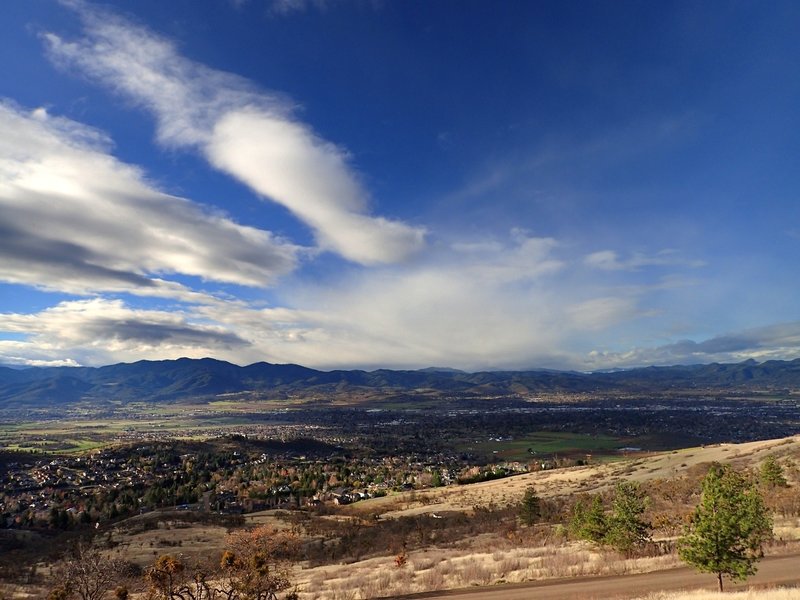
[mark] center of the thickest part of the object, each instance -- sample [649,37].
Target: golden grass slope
[558,482]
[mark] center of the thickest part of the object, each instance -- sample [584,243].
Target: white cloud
[525,258]
[28,360]
[285,161]
[514,303]
[99,331]
[609,260]
[489,304]
[486,304]
[780,342]
[249,134]
[77,220]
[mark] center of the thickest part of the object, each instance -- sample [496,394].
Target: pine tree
[727,528]
[626,527]
[530,509]
[772,472]
[589,520]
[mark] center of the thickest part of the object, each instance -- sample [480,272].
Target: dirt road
[773,571]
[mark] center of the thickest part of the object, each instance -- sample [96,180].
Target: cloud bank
[77,220]
[242,131]
[773,342]
[90,331]
[497,303]
[522,334]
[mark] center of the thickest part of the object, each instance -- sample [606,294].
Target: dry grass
[439,569]
[768,594]
[21,592]
[489,558]
[593,478]
[168,537]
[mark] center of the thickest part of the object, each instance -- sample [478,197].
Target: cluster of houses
[32,491]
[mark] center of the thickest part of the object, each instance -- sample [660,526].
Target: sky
[364,184]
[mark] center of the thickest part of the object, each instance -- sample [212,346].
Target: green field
[547,444]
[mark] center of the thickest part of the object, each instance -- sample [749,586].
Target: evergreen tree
[55,520]
[436,479]
[626,528]
[727,528]
[530,509]
[772,472]
[589,520]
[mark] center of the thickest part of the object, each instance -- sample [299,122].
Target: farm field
[78,433]
[547,443]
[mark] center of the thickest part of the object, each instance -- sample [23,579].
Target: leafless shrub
[475,572]
[345,593]
[510,564]
[401,579]
[564,564]
[445,567]
[432,579]
[423,563]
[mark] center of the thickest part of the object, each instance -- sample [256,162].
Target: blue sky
[575,185]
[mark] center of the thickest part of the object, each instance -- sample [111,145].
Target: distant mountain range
[197,379]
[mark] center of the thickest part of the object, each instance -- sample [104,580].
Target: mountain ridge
[185,378]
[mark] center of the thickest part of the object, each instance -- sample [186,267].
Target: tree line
[724,535]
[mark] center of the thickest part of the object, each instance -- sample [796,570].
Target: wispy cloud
[609,260]
[545,161]
[77,220]
[245,132]
[287,7]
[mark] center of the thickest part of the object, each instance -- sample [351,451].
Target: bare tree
[86,574]
[257,564]
[172,579]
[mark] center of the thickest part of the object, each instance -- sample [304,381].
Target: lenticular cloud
[244,132]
